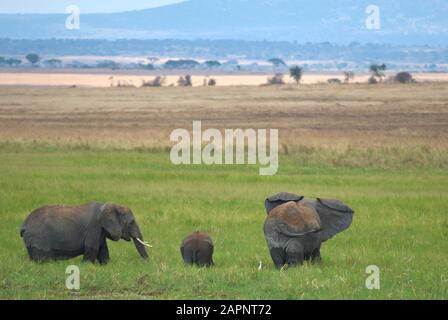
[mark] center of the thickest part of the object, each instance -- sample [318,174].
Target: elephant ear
[279,199]
[110,221]
[335,217]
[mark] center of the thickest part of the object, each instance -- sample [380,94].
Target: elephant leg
[203,259]
[278,257]
[103,254]
[294,253]
[90,254]
[315,255]
[187,255]
[31,253]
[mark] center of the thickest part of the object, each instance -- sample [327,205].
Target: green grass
[400,225]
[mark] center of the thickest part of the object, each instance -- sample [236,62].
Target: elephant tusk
[144,243]
[260,266]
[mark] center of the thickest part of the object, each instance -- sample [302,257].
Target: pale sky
[85,6]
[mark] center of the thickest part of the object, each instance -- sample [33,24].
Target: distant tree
[13,62]
[107,64]
[181,64]
[33,58]
[377,71]
[348,76]
[232,62]
[55,63]
[277,62]
[212,64]
[404,77]
[296,73]
[212,82]
[146,66]
[185,81]
[277,79]
[230,65]
[79,65]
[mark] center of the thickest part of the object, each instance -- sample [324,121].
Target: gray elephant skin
[296,227]
[61,232]
[197,248]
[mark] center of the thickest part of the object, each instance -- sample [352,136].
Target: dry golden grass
[100,79]
[395,134]
[313,115]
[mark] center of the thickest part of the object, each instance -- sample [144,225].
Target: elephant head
[295,226]
[119,223]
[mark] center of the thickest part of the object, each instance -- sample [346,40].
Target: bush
[121,83]
[404,77]
[334,81]
[185,82]
[348,75]
[156,82]
[372,80]
[212,82]
[277,79]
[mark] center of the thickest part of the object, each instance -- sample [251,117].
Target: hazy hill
[342,21]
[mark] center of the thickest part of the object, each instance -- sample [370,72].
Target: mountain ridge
[402,22]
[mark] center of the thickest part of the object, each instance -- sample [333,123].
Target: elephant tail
[195,256]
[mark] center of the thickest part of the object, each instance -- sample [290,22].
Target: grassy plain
[381,149]
[103,78]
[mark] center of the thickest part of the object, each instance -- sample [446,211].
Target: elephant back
[197,248]
[279,199]
[295,219]
[197,237]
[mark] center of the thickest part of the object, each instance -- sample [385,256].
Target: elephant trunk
[138,241]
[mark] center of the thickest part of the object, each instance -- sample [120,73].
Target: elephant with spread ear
[296,226]
[61,232]
[197,248]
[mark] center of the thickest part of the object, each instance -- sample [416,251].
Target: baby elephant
[296,227]
[62,232]
[197,249]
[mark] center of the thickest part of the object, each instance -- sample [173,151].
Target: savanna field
[381,149]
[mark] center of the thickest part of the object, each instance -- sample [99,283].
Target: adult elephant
[62,232]
[296,227]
